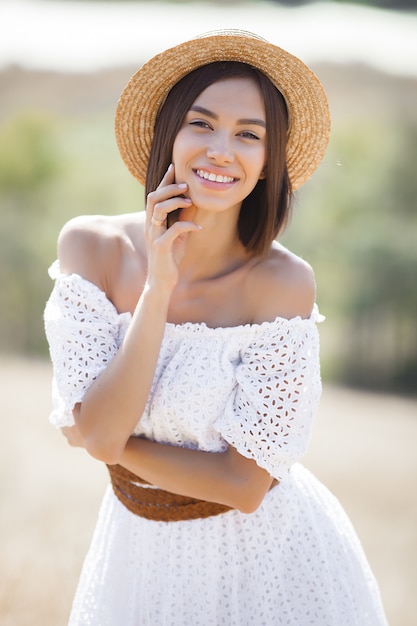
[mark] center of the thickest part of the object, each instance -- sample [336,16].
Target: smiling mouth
[216,178]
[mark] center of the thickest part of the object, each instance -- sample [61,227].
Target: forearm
[115,401]
[223,477]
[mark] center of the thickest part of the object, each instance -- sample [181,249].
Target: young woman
[185,354]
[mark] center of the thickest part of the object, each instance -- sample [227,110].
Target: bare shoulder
[282,285]
[95,246]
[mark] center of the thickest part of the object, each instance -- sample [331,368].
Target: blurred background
[63,65]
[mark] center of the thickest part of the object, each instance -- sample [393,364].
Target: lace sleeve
[269,416]
[84,332]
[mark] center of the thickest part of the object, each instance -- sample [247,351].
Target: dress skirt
[295,561]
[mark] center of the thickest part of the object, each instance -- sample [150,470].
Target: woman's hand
[73,436]
[166,246]
[72,433]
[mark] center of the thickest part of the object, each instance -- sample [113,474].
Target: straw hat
[147,89]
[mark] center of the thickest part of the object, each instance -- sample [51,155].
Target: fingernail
[183,185]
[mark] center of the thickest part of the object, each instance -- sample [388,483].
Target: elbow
[247,483]
[106,448]
[248,503]
[108,451]
[247,498]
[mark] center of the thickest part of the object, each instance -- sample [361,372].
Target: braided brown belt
[156,504]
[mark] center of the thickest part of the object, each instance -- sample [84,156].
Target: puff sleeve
[269,416]
[84,332]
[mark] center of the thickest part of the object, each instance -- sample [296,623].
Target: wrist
[156,293]
[154,301]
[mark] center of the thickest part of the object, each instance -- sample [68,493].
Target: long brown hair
[266,210]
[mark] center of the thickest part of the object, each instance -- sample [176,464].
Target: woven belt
[156,504]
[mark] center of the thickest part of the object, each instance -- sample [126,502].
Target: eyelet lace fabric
[296,560]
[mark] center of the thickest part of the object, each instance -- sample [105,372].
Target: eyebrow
[244,121]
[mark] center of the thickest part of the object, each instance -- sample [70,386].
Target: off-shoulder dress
[296,560]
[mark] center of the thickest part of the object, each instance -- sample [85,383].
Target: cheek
[256,165]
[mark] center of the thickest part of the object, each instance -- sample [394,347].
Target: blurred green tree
[358,228]
[29,162]
[51,169]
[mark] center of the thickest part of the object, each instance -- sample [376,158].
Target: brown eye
[248,134]
[200,123]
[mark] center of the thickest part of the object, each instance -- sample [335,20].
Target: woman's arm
[113,404]
[223,477]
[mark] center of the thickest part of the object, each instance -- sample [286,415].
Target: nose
[220,150]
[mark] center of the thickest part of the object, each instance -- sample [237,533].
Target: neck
[215,250]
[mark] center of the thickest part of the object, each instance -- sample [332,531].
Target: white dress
[296,561]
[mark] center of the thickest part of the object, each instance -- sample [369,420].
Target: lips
[216,178]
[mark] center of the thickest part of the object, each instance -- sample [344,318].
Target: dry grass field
[363,448]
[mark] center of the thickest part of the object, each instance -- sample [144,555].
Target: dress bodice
[254,386]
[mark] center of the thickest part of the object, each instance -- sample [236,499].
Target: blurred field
[363,448]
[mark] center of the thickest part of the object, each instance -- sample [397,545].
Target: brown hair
[266,210]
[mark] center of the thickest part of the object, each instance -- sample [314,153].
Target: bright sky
[92,35]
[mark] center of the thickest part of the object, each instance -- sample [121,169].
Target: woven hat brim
[306,100]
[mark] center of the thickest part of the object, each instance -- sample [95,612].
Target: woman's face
[220,149]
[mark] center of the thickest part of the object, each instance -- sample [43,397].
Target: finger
[151,199]
[168,177]
[177,230]
[164,208]
[165,198]
[158,222]
[175,190]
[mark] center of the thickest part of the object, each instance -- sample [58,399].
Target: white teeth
[218,178]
